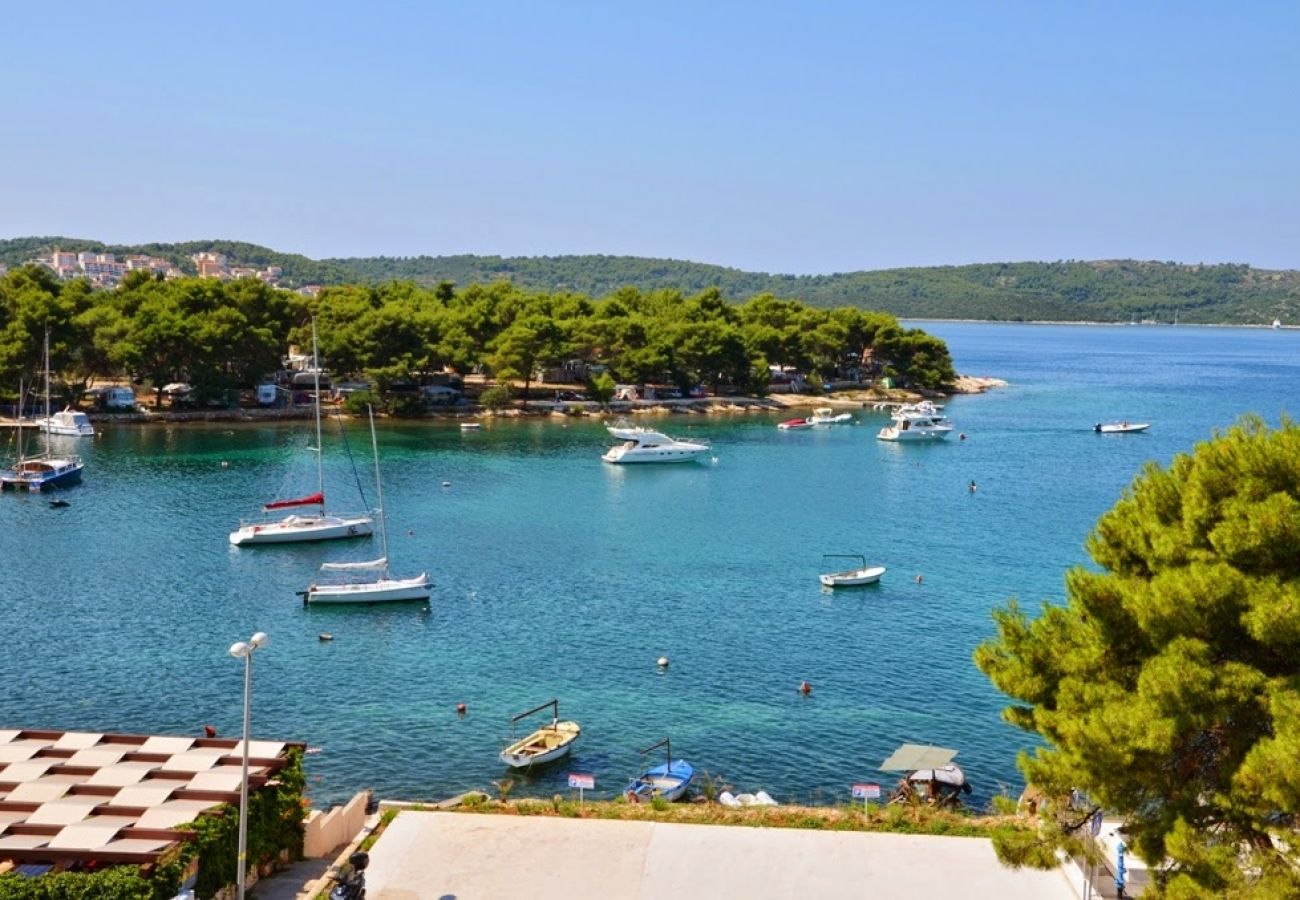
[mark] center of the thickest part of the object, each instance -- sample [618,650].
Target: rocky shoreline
[845,399]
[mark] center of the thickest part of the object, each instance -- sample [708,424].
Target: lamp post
[244,650]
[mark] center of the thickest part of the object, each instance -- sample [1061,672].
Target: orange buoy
[461,709]
[805,688]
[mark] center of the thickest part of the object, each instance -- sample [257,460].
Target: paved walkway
[463,856]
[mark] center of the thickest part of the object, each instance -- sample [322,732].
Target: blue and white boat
[48,469]
[669,780]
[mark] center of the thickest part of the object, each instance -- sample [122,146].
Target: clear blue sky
[794,137]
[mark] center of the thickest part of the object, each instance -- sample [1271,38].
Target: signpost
[582,783]
[866,792]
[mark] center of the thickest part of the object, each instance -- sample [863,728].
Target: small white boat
[913,422]
[470,426]
[644,446]
[824,415]
[369,581]
[544,745]
[863,574]
[1120,427]
[68,422]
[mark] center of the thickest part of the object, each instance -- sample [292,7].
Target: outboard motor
[350,883]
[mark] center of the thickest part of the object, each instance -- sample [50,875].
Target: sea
[558,576]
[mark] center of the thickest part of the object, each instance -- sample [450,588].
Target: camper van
[117,398]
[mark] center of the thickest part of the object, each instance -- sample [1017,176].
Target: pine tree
[1167,688]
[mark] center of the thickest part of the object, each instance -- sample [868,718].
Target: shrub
[496,397]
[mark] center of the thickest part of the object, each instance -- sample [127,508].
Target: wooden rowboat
[546,744]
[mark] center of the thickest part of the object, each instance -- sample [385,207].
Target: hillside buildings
[106,270]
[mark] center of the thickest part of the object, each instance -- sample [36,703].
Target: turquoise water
[559,576]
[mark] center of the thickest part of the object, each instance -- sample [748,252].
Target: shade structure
[910,757]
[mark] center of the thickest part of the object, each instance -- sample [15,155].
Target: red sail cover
[301,501]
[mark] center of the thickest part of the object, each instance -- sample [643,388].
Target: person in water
[971,487]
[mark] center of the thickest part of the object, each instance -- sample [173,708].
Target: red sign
[585,782]
[866,791]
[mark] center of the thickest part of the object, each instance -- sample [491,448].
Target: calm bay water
[559,576]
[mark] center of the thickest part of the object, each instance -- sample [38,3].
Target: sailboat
[47,470]
[369,581]
[296,527]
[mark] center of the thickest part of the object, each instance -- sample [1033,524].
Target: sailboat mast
[320,447]
[379,488]
[47,391]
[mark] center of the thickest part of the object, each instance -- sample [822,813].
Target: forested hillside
[1108,291]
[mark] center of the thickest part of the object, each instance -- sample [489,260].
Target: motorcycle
[350,883]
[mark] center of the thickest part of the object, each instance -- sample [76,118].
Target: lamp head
[240,649]
[258,640]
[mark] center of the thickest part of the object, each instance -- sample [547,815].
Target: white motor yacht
[68,422]
[641,445]
[916,422]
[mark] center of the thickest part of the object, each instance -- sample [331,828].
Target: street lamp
[244,650]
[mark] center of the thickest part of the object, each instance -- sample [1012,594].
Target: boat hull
[543,746]
[669,781]
[41,475]
[662,456]
[855,578]
[299,529]
[913,435]
[1122,428]
[386,590]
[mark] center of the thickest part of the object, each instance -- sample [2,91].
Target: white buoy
[663,662]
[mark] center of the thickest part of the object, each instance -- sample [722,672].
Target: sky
[798,138]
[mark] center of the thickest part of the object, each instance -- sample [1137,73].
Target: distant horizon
[642,256]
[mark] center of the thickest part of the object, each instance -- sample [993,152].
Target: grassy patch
[897,818]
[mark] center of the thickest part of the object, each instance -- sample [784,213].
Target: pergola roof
[910,757]
[73,796]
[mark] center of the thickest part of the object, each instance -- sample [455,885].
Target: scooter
[350,883]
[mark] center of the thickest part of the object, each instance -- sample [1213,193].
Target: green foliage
[601,388]
[1107,290]
[359,404]
[222,336]
[659,804]
[1168,687]
[116,883]
[495,398]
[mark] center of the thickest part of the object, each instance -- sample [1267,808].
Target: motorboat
[1120,427]
[863,574]
[669,780]
[645,446]
[824,415]
[546,744]
[68,422]
[796,424]
[295,527]
[369,581]
[921,421]
[48,469]
[470,426]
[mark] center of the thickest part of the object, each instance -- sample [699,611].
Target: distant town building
[211,265]
[310,290]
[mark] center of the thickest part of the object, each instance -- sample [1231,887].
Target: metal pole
[243,783]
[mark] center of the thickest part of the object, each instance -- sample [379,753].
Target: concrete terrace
[436,856]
